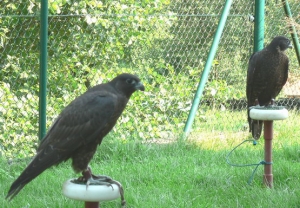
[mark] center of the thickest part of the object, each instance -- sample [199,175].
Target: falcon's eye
[130,81]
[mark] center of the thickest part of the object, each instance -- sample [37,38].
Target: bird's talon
[272,102]
[112,188]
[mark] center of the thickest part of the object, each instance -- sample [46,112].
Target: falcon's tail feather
[256,128]
[39,164]
[13,191]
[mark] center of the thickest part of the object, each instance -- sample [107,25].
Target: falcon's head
[128,83]
[281,43]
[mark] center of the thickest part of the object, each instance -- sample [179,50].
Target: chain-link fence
[166,43]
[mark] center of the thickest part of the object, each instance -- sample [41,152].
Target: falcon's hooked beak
[139,86]
[290,45]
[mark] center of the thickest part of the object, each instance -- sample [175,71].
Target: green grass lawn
[168,174]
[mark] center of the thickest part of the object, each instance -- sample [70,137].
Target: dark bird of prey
[267,74]
[79,129]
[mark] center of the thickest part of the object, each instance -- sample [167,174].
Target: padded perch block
[92,193]
[268,113]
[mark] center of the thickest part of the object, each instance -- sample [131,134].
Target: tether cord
[244,165]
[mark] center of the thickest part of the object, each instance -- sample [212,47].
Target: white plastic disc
[94,193]
[268,114]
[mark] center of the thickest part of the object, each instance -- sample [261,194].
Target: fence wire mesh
[166,43]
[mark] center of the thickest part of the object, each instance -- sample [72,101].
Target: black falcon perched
[267,74]
[79,129]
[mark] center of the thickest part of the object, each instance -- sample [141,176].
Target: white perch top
[268,113]
[94,193]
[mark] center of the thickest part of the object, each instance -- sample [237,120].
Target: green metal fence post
[259,22]
[294,35]
[207,67]
[43,69]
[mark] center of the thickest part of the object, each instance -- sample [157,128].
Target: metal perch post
[91,204]
[268,135]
